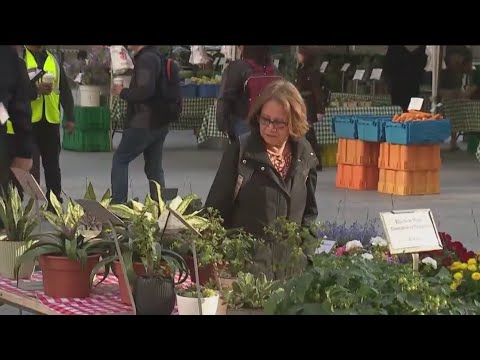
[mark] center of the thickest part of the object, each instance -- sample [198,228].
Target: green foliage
[76,235]
[207,245]
[237,252]
[353,285]
[250,292]
[284,251]
[19,222]
[191,291]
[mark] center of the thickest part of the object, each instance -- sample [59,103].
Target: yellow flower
[476,276]
[472,261]
[453,286]
[456,263]
[463,266]
[472,268]
[458,276]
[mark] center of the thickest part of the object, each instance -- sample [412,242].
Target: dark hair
[260,54]
[308,55]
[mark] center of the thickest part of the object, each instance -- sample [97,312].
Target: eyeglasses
[277,124]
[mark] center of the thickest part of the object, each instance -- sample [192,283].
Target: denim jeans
[134,142]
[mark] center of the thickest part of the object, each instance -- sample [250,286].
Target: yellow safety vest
[52,101]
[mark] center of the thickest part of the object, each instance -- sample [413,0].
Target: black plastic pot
[154,296]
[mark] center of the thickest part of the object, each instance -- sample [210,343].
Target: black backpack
[172,91]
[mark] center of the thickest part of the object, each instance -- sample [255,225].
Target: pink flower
[341,251]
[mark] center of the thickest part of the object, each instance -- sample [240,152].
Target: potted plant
[284,251]
[209,254]
[142,222]
[237,251]
[187,300]
[249,294]
[151,270]
[95,75]
[19,225]
[68,254]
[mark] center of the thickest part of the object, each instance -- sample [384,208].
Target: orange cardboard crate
[409,157]
[399,182]
[357,152]
[357,177]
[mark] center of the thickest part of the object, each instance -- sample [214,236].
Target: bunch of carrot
[414,115]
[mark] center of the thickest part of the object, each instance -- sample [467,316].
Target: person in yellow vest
[52,91]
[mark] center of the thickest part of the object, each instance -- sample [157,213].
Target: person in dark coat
[233,102]
[280,161]
[15,100]
[312,87]
[404,70]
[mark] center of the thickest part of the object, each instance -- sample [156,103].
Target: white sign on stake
[415,104]
[276,62]
[323,67]
[411,231]
[326,247]
[345,67]
[359,74]
[376,74]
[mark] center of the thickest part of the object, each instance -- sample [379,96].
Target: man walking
[148,117]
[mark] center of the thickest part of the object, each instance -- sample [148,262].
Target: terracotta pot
[117,270]
[245,312]
[65,278]
[205,273]
[154,296]
[10,251]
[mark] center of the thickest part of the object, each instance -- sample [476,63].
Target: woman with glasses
[270,172]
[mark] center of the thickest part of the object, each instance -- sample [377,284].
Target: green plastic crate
[87,141]
[92,118]
[472,143]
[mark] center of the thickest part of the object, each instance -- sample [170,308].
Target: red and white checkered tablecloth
[103,300]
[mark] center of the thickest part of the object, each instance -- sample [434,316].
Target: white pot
[89,96]
[10,251]
[189,306]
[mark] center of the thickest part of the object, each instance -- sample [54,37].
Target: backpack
[258,80]
[172,90]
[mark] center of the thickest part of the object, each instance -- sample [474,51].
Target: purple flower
[343,233]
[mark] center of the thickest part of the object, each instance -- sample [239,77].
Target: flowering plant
[376,249]
[452,251]
[343,233]
[466,279]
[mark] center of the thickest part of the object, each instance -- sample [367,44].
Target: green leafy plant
[139,243]
[191,291]
[353,285]
[237,252]
[156,210]
[250,292]
[208,245]
[285,250]
[91,195]
[19,221]
[76,235]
